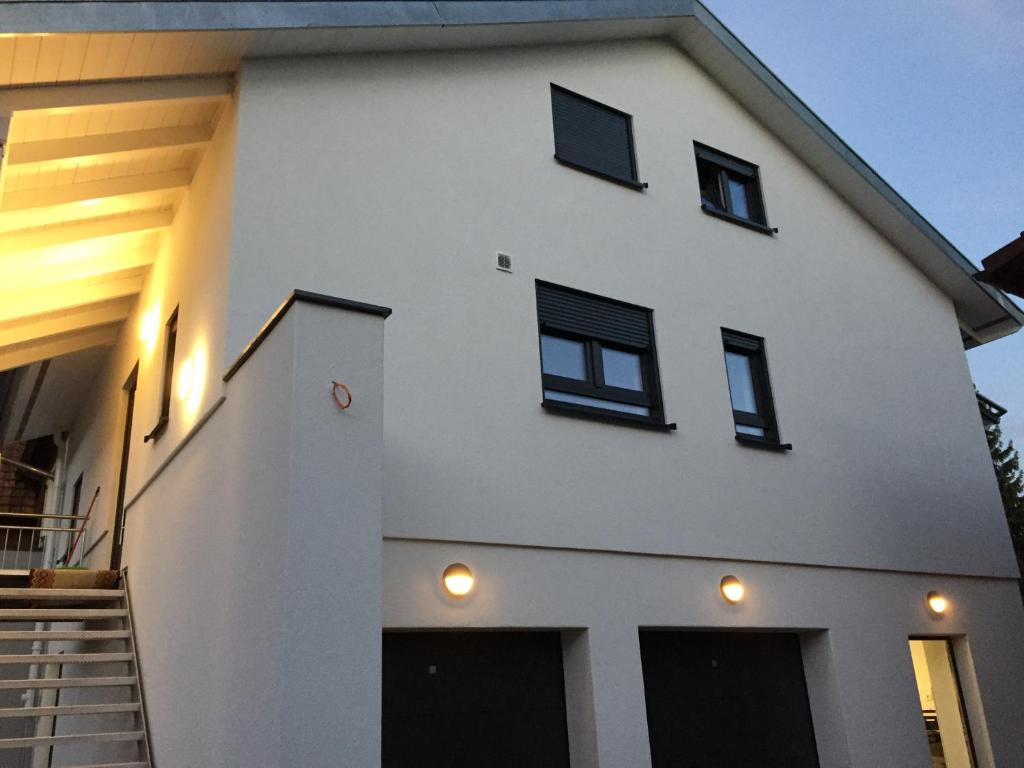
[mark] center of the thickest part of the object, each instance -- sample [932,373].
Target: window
[730,188]
[750,391]
[598,357]
[170,339]
[594,138]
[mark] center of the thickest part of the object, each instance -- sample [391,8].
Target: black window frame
[633,182]
[722,167]
[170,344]
[594,385]
[753,347]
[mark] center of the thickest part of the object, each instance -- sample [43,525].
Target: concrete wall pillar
[331,628]
[620,709]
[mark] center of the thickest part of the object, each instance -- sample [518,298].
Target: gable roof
[302,28]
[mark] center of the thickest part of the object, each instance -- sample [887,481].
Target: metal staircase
[70,693]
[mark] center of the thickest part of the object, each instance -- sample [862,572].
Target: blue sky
[931,94]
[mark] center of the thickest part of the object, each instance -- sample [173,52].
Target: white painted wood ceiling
[74,58]
[93,174]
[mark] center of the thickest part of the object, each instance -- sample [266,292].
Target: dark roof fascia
[308,297]
[821,129]
[124,15]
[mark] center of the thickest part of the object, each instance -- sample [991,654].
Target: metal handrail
[27,467]
[39,516]
[40,528]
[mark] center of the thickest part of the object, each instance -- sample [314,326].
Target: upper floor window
[170,341]
[753,410]
[730,188]
[592,137]
[598,357]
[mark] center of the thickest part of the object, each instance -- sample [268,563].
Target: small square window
[598,357]
[730,188]
[750,391]
[592,137]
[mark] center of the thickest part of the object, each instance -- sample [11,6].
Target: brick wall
[19,493]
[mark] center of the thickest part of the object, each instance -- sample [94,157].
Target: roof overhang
[311,28]
[1005,268]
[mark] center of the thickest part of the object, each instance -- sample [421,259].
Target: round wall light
[732,589]
[458,580]
[937,602]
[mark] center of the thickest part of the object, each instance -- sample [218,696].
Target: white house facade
[317,300]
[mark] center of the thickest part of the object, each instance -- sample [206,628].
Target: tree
[1006,462]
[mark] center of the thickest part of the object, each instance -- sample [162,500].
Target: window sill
[766,445]
[640,186]
[762,228]
[159,429]
[606,416]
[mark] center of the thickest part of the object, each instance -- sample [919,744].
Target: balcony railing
[38,539]
[24,536]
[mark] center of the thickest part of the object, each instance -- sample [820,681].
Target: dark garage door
[727,700]
[474,699]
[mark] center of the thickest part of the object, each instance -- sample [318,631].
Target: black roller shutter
[592,136]
[583,314]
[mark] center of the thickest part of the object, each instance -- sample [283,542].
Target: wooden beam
[93,190]
[41,327]
[24,354]
[67,99]
[89,229]
[73,293]
[104,261]
[42,153]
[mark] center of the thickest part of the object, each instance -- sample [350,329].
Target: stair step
[65,634]
[66,682]
[24,593]
[44,741]
[111,765]
[64,658]
[60,614]
[69,709]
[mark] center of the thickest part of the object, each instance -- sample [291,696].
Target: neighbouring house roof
[1005,268]
[991,411]
[267,29]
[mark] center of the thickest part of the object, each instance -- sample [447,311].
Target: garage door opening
[493,699]
[938,688]
[727,700]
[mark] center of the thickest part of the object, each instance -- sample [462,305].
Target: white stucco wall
[397,178]
[190,272]
[856,656]
[255,572]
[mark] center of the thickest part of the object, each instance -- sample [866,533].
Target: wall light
[458,580]
[150,325]
[937,602]
[732,589]
[185,379]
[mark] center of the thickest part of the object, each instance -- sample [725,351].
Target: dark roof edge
[781,91]
[127,15]
[308,297]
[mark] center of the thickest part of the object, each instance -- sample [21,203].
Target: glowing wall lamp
[458,580]
[191,379]
[732,589]
[150,326]
[937,603]
[185,379]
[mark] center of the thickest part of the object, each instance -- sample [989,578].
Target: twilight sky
[931,94]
